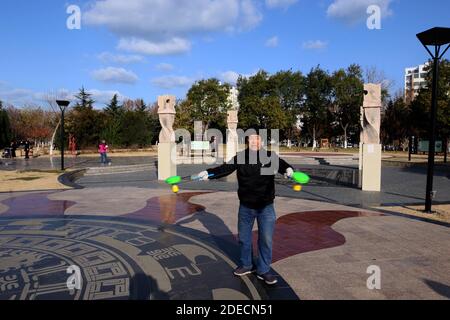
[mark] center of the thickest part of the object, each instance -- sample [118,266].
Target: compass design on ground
[117,260]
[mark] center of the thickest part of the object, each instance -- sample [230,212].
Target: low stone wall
[69,178]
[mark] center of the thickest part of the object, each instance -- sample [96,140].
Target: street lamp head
[63,104]
[435,36]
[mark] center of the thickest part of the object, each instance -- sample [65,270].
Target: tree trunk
[53,138]
[446,149]
[205,131]
[314,138]
[345,135]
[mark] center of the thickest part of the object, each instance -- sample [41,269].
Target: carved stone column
[167,152]
[370,135]
[232,136]
[232,121]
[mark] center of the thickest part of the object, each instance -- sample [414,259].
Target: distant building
[415,79]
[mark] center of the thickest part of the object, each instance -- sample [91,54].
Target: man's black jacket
[256,187]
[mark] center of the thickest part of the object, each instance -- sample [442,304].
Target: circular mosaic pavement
[95,259]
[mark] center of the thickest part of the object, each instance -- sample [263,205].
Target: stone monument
[232,136]
[232,121]
[370,153]
[167,150]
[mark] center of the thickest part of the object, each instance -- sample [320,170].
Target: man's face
[254,142]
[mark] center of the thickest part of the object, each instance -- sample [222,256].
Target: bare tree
[51,98]
[373,75]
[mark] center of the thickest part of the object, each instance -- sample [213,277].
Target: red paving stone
[295,233]
[166,209]
[169,208]
[35,204]
[302,232]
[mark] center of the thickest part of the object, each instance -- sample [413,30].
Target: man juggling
[256,180]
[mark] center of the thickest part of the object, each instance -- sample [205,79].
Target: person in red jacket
[103,150]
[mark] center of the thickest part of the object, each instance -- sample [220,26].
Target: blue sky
[145,48]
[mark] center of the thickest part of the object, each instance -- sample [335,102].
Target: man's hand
[204,175]
[289,173]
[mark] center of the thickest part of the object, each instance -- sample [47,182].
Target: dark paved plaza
[132,238]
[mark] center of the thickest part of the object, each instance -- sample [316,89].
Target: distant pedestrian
[213,146]
[26,146]
[103,150]
[73,145]
[13,149]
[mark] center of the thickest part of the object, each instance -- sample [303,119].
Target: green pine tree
[84,100]
[5,127]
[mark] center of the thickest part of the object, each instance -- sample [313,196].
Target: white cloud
[165,67]
[61,94]
[251,15]
[272,42]
[172,46]
[102,97]
[280,3]
[144,25]
[169,82]
[107,57]
[144,17]
[354,11]
[16,95]
[173,81]
[114,75]
[20,97]
[231,77]
[315,45]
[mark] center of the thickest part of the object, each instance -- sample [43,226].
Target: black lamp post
[62,104]
[436,37]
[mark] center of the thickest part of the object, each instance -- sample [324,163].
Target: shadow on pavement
[439,288]
[218,232]
[144,287]
[223,239]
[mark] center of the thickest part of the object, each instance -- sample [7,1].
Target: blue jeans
[103,158]
[265,218]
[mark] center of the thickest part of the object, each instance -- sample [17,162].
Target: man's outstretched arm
[220,171]
[285,168]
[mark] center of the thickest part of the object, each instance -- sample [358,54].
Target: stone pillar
[167,150]
[232,121]
[361,119]
[232,136]
[371,147]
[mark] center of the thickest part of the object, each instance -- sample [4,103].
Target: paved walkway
[148,243]
[132,238]
[71,162]
[333,184]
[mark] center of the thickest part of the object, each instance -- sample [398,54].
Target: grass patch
[440,212]
[40,171]
[25,179]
